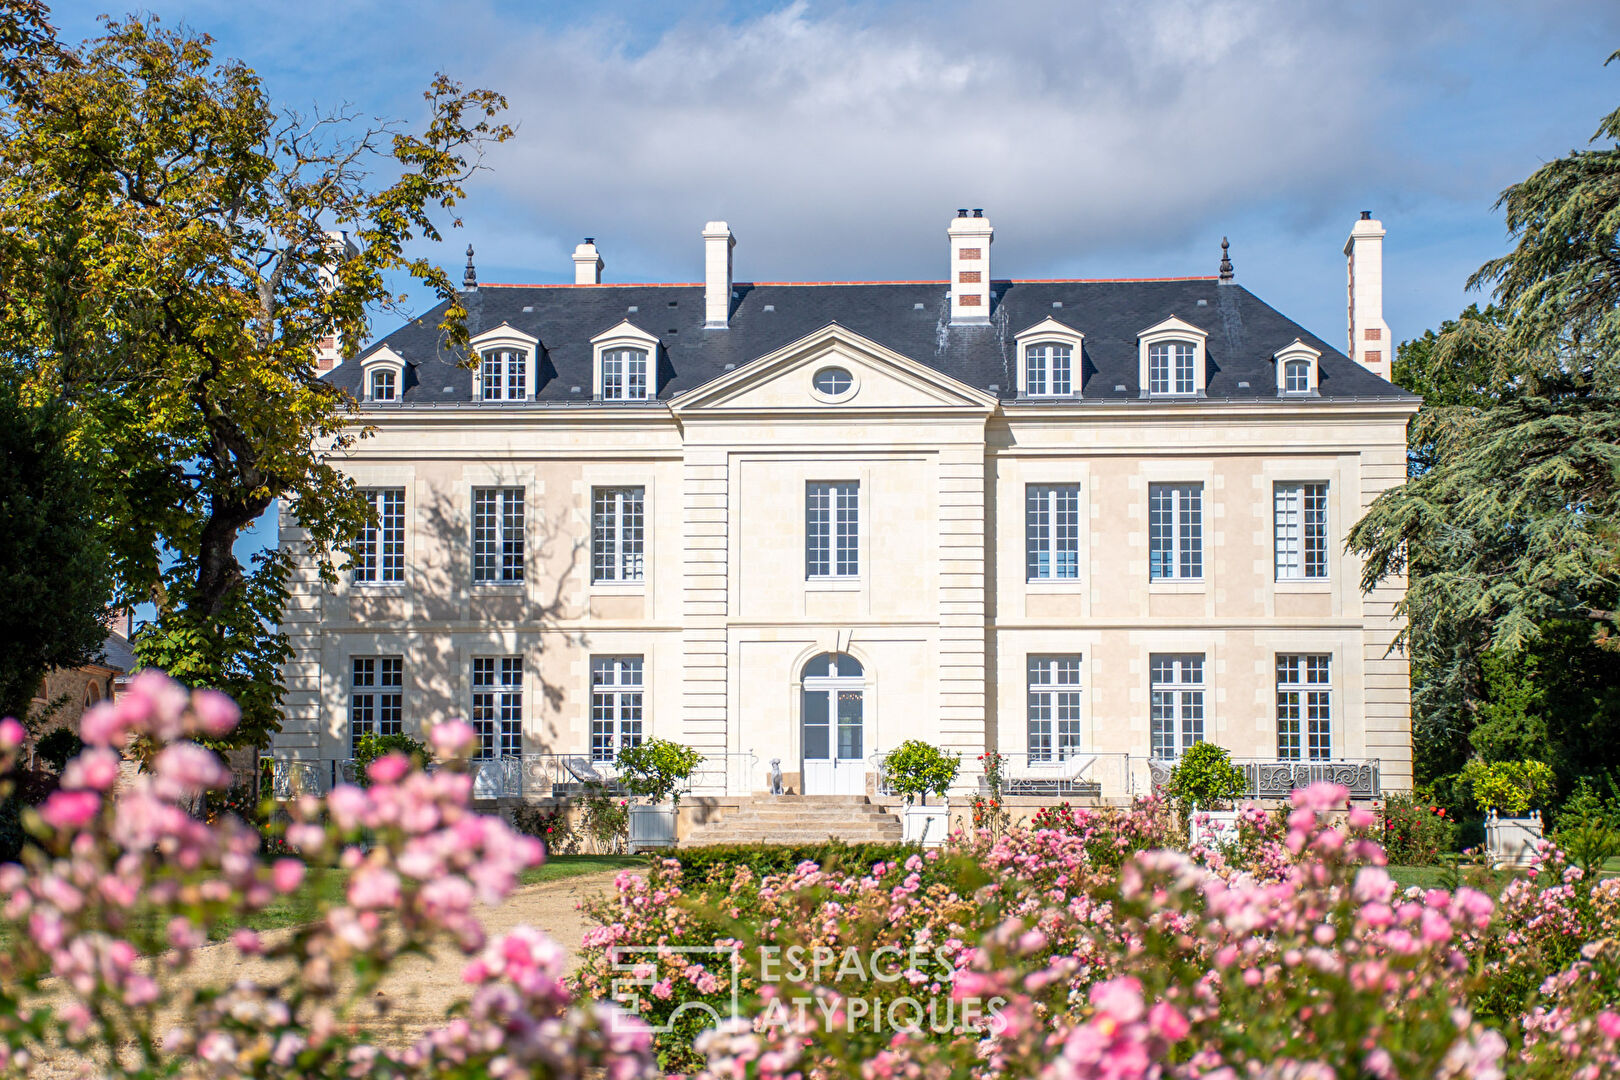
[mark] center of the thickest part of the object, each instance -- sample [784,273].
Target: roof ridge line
[778,284]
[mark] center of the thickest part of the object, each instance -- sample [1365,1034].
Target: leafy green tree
[658,769]
[167,270]
[917,768]
[54,581]
[1206,778]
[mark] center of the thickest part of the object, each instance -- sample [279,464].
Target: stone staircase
[800,819]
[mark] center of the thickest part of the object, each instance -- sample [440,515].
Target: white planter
[651,827]
[1512,841]
[1214,826]
[927,825]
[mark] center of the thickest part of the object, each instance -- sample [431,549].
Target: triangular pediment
[879,379]
[1171,326]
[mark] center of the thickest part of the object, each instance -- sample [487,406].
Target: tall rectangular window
[498,534]
[379,551]
[1301,517]
[1171,369]
[497,705]
[1054,707]
[1304,707]
[1177,702]
[832,529]
[616,709]
[1175,531]
[503,375]
[1052,531]
[618,533]
[376,697]
[1048,371]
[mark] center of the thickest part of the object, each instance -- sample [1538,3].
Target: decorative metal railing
[556,776]
[1275,778]
[291,777]
[1076,775]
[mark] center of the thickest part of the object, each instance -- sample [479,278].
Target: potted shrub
[656,770]
[1508,793]
[915,768]
[1204,785]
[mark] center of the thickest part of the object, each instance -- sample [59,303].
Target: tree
[54,582]
[167,268]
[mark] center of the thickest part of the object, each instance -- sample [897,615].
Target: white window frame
[626,336]
[506,547]
[1178,713]
[497,706]
[618,704]
[1300,529]
[1173,331]
[1185,547]
[618,534]
[1052,706]
[376,697]
[1046,335]
[1294,353]
[384,359]
[832,532]
[504,341]
[1045,535]
[378,554]
[1305,706]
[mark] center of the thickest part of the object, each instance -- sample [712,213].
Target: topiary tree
[1205,777]
[657,769]
[373,746]
[1510,788]
[915,768]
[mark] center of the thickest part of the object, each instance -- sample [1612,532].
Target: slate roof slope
[912,318]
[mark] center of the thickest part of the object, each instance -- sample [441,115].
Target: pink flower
[389,768]
[1168,1021]
[96,768]
[70,810]
[217,714]
[374,889]
[286,875]
[191,769]
[12,734]
[1119,998]
[1608,1025]
[103,725]
[247,941]
[452,739]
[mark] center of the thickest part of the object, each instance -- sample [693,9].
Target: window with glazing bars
[382,384]
[1304,707]
[498,534]
[1054,707]
[832,529]
[504,375]
[616,709]
[1170,368]
[376,697]
[497,705]
[1301,515]
[1052,531]
[379,551]
[1176,708]
[618,524]
[1297,377]
[624,375]
[1175,531]
[1048,371]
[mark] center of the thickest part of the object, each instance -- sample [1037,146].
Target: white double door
[834,738]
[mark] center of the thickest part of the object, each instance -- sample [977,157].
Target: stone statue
[776,776]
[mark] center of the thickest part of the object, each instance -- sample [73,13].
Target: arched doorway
[834,725]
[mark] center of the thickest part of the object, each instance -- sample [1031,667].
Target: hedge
[700,863]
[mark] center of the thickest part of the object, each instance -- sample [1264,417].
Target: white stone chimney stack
[1370,343]
[717,245]
[970,267]
[587,263]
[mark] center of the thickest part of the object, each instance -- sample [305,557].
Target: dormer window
[1297,370]
[506,364]
[382,375]
[384,384]
[1049,370]
[1173,359]
[624,375]
[1049,360]
[1170,367]
[626,364]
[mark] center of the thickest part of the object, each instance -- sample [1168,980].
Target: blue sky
[1103,139]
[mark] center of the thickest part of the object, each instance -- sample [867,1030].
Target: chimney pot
[718,243]
[978,211]
[962,212]
[1366,215]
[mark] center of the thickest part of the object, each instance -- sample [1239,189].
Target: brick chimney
[970,267]
[587,263]
[329,347]
[1370,343]
[717,245]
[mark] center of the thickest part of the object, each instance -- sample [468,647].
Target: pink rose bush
[106,912]
[1283,950]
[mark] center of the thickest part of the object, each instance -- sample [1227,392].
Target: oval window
[834,381]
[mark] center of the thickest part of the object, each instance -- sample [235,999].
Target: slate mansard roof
[912,318]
